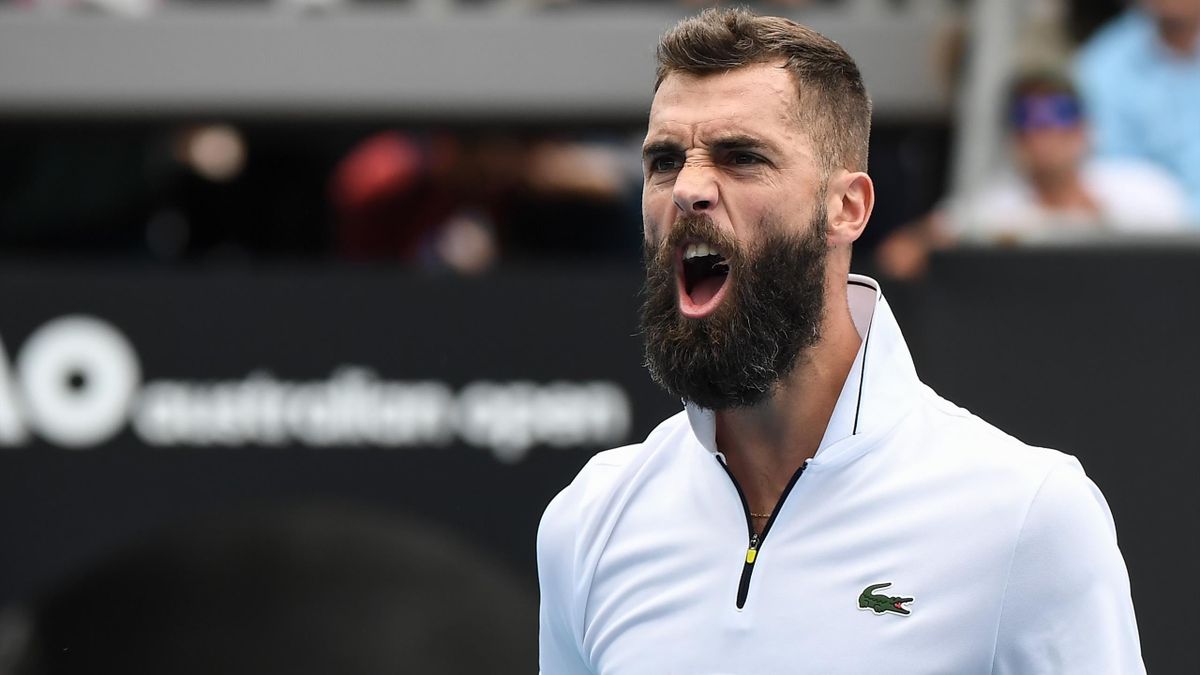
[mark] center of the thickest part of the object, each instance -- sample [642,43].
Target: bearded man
[815,509]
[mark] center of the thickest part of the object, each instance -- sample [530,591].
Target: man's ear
[850,198]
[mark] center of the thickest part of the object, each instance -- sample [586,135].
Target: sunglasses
[1046,111]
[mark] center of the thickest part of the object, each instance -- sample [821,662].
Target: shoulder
[1138,195]
[578,522]
[1114,43]
[993,475]
[967,440]
[1067,578]
[1113,63]
[596,488]
[1005,193]
[1001,206]
[596,479]
[1049,487]
[1064,572]
[1134,173]
[1045,493]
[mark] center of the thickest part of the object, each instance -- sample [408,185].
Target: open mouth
[703,272]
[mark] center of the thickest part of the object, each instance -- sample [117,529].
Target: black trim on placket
[756,539]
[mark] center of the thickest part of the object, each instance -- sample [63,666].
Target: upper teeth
[698,250]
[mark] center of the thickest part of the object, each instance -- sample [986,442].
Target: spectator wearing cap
[1140,76]
[1053,190]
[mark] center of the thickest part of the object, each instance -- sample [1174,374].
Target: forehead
[758,100]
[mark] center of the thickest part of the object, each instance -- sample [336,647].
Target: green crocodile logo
[882,603]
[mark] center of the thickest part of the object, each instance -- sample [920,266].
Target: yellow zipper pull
[752,552]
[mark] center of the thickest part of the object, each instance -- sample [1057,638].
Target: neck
[1063,192]
[765,445]
[1180,35]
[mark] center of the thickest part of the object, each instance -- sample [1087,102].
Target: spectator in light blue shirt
[1140,78]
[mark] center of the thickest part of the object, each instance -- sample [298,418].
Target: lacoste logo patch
[882,603]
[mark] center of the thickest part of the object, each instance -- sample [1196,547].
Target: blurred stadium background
[308,307]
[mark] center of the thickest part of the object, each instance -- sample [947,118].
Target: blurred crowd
[1101,142]
[137,7]
[144,7]
[444,199]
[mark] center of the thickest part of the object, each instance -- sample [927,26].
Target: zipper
[756,539]
[748,569]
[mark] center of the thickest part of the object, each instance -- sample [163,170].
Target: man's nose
[695,189]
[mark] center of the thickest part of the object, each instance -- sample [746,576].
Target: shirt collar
[877,392]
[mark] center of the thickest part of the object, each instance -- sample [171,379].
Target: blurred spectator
[1055,194]
[1140,76]
[391,192]
[237,192]
[576,200]
[309,591]
[461,202]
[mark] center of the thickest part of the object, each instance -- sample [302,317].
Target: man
[1058,193]
[815,509]
[1140,77]
[1055,193]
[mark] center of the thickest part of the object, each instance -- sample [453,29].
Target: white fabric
[1008,550]
[1134,198]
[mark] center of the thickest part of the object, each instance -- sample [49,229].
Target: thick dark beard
[768,321]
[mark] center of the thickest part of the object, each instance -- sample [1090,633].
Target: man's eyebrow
[741,142]
[661,148]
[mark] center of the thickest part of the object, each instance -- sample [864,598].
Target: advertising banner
[134,399]
[138,399]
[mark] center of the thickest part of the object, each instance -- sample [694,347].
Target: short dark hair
[832,102]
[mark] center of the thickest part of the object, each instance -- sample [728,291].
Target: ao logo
[75,379]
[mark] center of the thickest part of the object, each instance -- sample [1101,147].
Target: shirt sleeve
[558,642]
[1067,607]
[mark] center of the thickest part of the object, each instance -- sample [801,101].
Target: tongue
[705,289]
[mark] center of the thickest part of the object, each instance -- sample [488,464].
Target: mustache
[691,227]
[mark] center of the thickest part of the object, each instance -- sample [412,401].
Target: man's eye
[745,158]
[662,164]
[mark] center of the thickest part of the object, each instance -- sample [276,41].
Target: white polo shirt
[1003,555]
